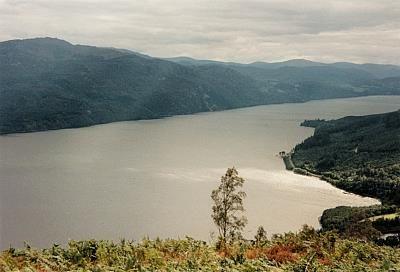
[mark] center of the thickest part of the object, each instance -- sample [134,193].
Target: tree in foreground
[227,211]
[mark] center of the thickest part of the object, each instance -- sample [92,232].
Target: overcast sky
[232,30]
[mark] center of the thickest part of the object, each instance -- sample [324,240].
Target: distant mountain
[258,64]
[291,74]
[289,63]
[196,62]
[47,83]
[376,70]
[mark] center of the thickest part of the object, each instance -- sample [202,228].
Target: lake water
[132,179]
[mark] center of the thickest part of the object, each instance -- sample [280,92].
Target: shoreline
[290,166]
[287,159]
[15,133]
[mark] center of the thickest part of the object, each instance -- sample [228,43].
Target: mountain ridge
[49,83]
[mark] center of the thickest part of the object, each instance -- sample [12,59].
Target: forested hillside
[48,83]
[360,154]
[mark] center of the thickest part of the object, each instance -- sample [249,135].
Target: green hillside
[360,154]
[48,83]
[51,84]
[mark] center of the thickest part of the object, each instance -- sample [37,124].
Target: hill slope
[360,154]
[48,83]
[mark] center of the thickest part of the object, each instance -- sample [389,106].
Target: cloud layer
[231,30]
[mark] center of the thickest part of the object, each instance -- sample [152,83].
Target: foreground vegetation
[307,250]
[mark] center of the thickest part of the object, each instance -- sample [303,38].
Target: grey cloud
[234,30]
